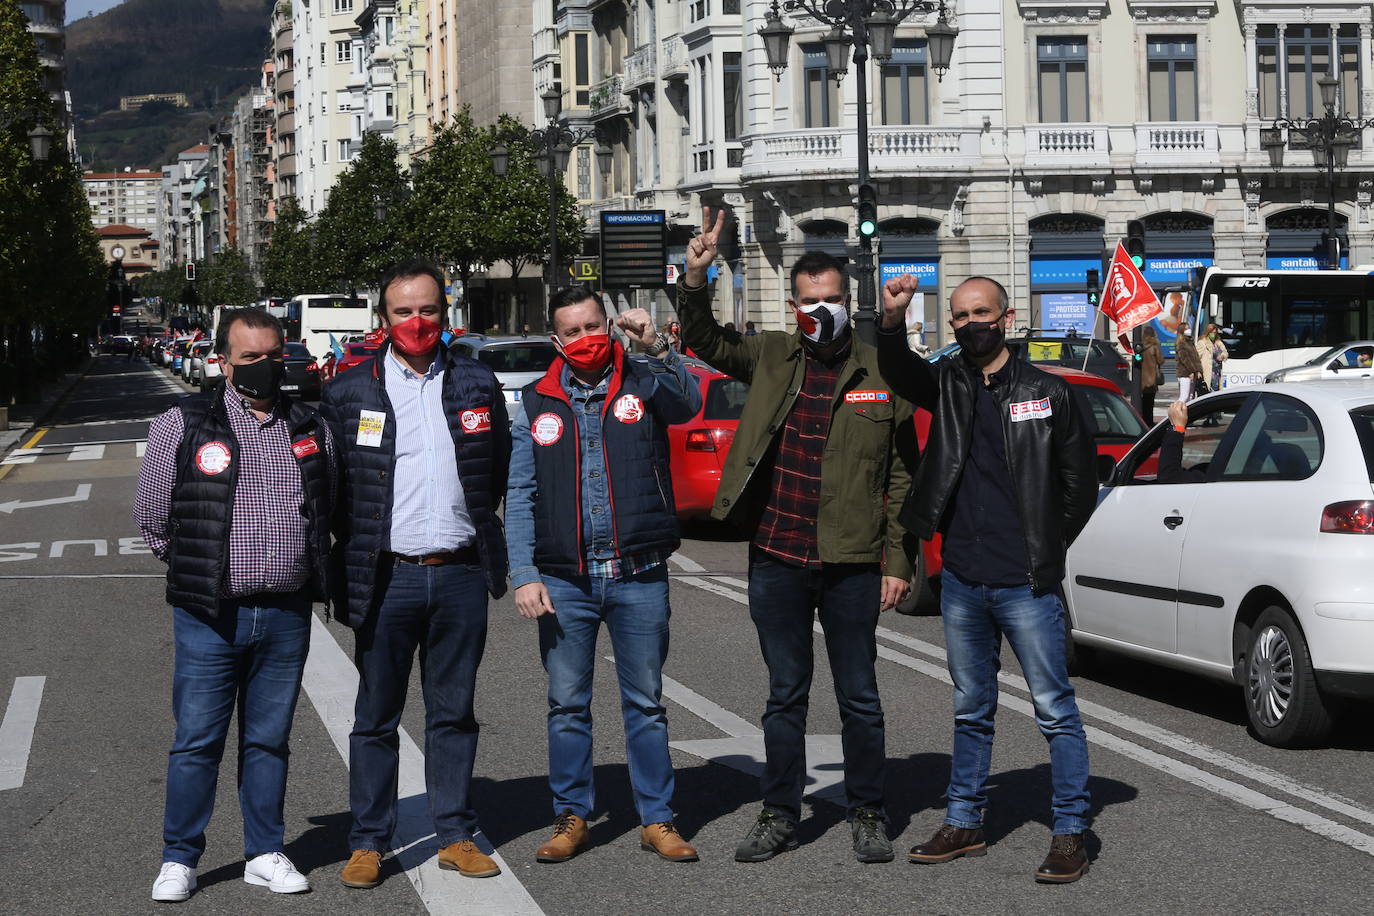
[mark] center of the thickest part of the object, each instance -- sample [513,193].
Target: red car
[699,446]
[1115,426]
[354,353]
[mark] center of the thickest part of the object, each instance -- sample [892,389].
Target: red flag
[1126,298]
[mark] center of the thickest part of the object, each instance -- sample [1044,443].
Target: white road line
[331,683]
[94,576]
[686,564]
[1233,791]
[86,452]
[715,714]
[16,730]
[22,456]
[140,447]
[1174,741]
[102,423]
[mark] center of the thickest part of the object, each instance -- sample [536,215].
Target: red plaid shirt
[787,530]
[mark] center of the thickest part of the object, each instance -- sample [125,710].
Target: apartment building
[284,157]
[327,75]
[47,25]
[479,56]
[127,198]
[1056,126]
[179,227]
[254,120]
[393,100]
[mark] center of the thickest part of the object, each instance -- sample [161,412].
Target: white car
[517,361]
[204,363]
[1347,361]
[1256,569]
[195,355]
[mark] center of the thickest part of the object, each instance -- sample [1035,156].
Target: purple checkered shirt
[267,533]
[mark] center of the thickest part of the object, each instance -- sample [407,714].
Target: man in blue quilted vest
[423,445]
[590,524]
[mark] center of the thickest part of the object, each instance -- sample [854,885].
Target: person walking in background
[1151,373]
[1187,364]
[1211,351]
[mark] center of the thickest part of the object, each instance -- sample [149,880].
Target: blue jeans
[635,611]
[442,611]
[251,655]
[976,617]
[783,601]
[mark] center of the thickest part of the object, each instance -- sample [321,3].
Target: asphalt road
[1191,814]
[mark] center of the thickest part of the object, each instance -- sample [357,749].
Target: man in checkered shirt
[235,495]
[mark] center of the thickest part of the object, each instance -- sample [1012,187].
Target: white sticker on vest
[547,428]
[213,458]
[1030,410]
[370,426]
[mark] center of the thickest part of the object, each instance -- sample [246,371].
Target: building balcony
[1176,143]
[673,58]
[895,150]
[45,27]
[608,99]
[51,61]
[641,66]
[1060,145]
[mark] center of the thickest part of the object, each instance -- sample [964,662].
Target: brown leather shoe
[663,838]
[364,869]
[569,836]
[1067,861]
[949,842]
[467,860]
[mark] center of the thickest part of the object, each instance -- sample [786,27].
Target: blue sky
[79,8]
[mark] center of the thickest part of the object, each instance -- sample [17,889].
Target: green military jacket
[869,455]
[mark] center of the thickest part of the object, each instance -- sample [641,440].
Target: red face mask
[416,336]
[589,353]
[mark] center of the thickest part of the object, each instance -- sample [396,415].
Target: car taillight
[313,367]
[1355,516]
[710,440]
[212,359]
[1122,367]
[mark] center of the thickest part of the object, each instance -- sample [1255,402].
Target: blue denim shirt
[676,399]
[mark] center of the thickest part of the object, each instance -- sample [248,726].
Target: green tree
[226,279]
[290,267]
[352,245]
[519,216]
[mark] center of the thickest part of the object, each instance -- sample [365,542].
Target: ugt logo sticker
[476,421]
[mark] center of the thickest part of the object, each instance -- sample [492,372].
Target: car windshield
[1324,357]
[297,351]
[1109,414]
[725,399]
[524,357]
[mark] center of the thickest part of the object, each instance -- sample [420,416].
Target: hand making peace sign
[701,251]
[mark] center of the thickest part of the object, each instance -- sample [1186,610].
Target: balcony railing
[673,57]
[640,66]
[1066,144]
[608,99]
[892,149]
[1178,142]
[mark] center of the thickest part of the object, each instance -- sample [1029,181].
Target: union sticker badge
[213,458]
[476,421]
[628,408]
[305,447]
[547,428]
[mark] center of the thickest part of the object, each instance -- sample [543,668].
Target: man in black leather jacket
[1007,478]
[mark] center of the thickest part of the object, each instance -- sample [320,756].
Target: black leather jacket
[1048,449]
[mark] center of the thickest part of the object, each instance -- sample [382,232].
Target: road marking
[87,452]
[94,576]
[1233,791]
[140,447]
[36,436]
[83,493]
[715,714]
[331,683]
[102,423]
[22,456]
[16,730]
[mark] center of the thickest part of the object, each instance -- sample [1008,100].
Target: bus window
[1248,320]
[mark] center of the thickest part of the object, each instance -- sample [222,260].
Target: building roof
[198,148]
[119,230]
[151,243]
[142,176]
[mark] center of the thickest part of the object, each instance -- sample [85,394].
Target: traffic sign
[634,249]
[585,270]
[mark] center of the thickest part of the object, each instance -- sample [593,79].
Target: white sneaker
[174,883]
[276,872]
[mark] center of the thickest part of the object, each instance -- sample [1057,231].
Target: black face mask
[259,380]
[980,338]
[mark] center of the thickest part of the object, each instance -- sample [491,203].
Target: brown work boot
[664,839]
[949,842]
[467,860]
[569,836]
[1067,861]
[364,869]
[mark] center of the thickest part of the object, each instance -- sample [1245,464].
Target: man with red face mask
[590,523]
[424,446]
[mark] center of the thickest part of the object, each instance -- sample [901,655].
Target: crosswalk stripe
[16,730]
[86,453]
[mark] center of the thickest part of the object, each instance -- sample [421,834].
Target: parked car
[517,361]
[1344,361]
[1115,426]
[178,351]
[209,370]
[193,361]
[302,373]
[121,344]
[354,353]
[698,448]
[1256,570]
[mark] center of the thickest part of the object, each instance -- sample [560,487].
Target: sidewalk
[28,416]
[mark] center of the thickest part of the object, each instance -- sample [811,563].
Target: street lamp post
[40,138]
[553,145]
[870,26]
[1330,137]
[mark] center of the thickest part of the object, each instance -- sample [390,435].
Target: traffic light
[1094,285]
[1135,243]
[868,211]
[191,271]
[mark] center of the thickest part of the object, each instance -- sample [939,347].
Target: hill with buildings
[212,50]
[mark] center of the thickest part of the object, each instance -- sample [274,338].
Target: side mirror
[1336,365]
[1106,466]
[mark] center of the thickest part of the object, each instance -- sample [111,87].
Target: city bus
[1276,319]
[323,314]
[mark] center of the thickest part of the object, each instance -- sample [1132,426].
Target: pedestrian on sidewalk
[423,449]
[590,525]
[1211,352]
[1151,373]
[816,477]
[235,495]
[1008,480]
[1187,364]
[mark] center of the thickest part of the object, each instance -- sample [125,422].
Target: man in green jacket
[816,477]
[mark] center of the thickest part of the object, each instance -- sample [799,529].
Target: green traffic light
[868,227]
[1137,260]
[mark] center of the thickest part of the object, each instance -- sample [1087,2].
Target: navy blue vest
[635,449]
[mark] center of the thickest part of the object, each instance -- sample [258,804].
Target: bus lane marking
[16,730]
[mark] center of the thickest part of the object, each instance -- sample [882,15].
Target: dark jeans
[442,611]
[1147,404]
[251,656]
[783,600]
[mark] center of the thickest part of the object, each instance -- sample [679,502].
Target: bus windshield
[1263,310]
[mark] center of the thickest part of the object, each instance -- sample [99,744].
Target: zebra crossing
[84,451]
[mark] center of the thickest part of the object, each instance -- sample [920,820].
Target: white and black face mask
[824,322]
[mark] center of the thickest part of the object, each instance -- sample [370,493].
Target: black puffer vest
[203,503]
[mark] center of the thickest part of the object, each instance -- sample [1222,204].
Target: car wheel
[924,598]
[1281,697]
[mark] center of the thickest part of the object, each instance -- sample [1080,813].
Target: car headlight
[1275,376]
